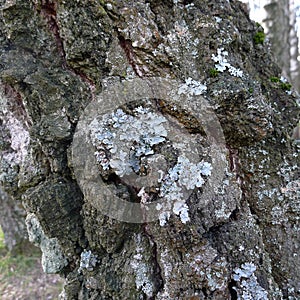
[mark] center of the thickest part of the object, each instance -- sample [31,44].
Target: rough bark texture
[242,242]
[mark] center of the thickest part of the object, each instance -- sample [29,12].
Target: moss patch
[259,37]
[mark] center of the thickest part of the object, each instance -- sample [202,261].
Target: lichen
[53,259]
[126,144]
[88,261]
[222,63]
[248,286]
[141,270]
[19,135]
[167,272]
[185,175]
[144,130]
[192,87]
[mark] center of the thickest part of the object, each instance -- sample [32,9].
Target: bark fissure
[232,290]
[157,279]
[48,10]
[130,55]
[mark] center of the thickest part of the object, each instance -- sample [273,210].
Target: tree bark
[197,86]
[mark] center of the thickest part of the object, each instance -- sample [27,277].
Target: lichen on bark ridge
[56,59]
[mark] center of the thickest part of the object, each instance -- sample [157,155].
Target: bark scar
[159,282]
[48,11]
[130,55]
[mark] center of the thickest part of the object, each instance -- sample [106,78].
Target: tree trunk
[150,145]
[281,28]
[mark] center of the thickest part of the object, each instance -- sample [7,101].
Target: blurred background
[281,22]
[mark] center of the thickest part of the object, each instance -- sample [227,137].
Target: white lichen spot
[167,269]
[88,261]
[19,134]
[180,208]
[19,138]
[192,87]
[241,248]
[248,287]
[208,267]
[222,63]
[190,6]
[223,213]
[109,6]
[143,195]
[163,216]
[292,186]
[218,19]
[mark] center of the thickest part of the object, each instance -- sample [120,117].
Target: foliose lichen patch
[130,143]
[192,87]
[249,287]
[222,64]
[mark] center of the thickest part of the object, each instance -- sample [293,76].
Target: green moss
[285,86]
[2,244]
[274,79]
[213,72]
[259,37]
[250,90]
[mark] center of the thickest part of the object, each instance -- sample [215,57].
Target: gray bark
[234,234]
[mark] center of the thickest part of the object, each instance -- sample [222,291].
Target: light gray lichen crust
[248,286]
[53,259]
[126,144]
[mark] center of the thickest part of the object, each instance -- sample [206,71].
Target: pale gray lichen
[53,259]
[222,63]
[185,175]
[119,134]
[126,144]
[192,87]
[167,271]
[248,287]
[139,19]
[209,267]
[88,261]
